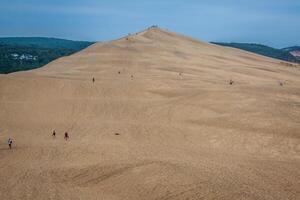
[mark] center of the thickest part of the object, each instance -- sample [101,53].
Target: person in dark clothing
[9,141]
[54,134]
[93,80]
[66,136]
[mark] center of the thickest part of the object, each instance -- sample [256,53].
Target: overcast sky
[272,22]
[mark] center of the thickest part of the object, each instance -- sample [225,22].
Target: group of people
[66,136]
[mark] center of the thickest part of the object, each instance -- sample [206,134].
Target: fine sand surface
[160,122]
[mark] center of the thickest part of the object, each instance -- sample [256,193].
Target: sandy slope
[184,132]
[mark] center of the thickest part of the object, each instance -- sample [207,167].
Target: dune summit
[161,121]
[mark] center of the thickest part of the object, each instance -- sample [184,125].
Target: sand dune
[161,121]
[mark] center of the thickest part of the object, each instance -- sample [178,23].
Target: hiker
[231,82]
[9,141]
[66,136]
[281,83]
[54,134]
[93,79]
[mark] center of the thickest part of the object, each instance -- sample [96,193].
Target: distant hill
[19,54]
[51,43]
[294,48]
[282,54]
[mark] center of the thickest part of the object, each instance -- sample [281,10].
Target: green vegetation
[28,57]
[19,54]
[263,50]
[291,49]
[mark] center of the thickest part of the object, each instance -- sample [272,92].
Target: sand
[160,122]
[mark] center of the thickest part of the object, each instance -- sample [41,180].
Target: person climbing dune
[66,136]
[93,80]
[53,134]
[9,141]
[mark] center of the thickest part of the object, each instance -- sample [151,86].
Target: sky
[272,22]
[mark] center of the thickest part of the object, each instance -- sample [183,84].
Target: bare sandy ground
[161,122]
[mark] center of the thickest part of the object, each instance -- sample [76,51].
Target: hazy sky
[271,22]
